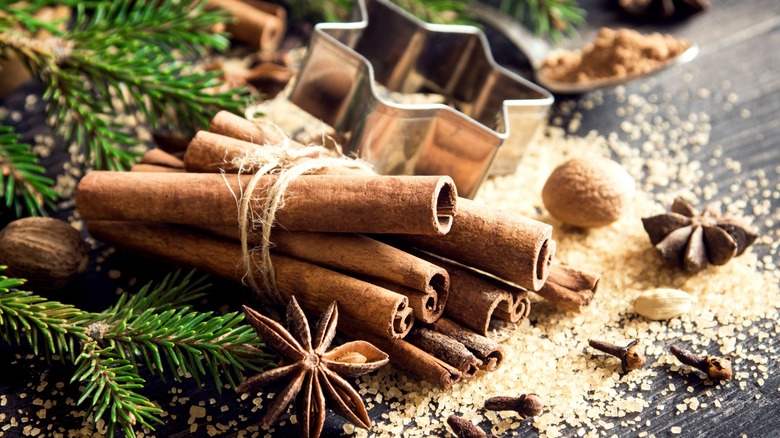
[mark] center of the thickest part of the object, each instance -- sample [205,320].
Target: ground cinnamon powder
[614,54]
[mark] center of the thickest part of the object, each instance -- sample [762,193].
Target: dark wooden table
[739,64]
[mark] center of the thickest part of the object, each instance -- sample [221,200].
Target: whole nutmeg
[48,252]
[588,193]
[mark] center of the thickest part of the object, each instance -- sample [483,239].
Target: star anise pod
[684,238]
[663,9]
[312,374]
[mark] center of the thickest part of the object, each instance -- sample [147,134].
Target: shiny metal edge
[336,83]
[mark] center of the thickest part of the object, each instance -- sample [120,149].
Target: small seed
[659,304]
[352,357]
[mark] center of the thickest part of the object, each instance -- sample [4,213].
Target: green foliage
[24,186]
[112,383]
[121,57]
[156,326]
[546,17]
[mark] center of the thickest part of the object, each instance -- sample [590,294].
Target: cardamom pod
[662,303]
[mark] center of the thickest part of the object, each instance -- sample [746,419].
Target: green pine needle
[155,326]
[111,384]
[553,18]
[122,57]
[24,186]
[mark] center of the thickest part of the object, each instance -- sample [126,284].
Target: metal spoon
[536,49]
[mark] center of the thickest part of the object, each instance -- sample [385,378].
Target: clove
[466,429]
[631,356]
[715,368]
[527,405]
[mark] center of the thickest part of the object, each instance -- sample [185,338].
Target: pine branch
[156,324]
[121,57]
[553,18]
[36,320]
[23,184]
[111,382]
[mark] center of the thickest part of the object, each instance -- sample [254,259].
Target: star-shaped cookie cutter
[490,113]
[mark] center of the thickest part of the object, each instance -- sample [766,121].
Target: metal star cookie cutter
[490,116]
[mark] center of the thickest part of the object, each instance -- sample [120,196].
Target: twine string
[257,217]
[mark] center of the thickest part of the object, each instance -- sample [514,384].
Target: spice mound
[615,54]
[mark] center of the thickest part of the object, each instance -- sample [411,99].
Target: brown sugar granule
[614,54]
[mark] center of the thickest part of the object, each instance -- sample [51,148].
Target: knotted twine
[288,163]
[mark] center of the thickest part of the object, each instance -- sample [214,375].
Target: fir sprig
[553,18]
[111,386]
[121,57]
[153,327]
[23,184]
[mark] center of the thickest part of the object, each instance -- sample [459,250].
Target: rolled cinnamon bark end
[509,246]
[473,301]
[474,297]
[490,352]
[230,125]
[516,309]
[570,288]
[369,307]
[161,158]
[259,24]
[354,203]
[445,348]
[409,358]
[427,306]
[154,168]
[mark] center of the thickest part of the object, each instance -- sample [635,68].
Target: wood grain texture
[739,64]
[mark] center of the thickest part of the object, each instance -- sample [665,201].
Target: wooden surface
[738,64]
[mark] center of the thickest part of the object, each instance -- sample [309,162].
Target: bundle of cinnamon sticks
[416,270]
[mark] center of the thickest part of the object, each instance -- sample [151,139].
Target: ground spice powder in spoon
[615,54]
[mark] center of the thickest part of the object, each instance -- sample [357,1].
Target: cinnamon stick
[154,168]
[234,126]
[160,157]
[516,309]
[409,358]
[475,299]
[569,288]
[366,306]
[259,24]
[269,78]
[209,153]
[486,350]
[445,348]
[509,246]
[365,204]
[425,284]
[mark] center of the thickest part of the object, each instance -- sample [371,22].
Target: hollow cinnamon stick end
[445,201]
[543,262]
